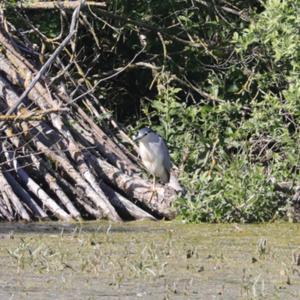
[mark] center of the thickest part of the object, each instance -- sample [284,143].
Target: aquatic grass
[182,260]
[38,256]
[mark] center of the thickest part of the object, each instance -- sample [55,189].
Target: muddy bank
[149,261]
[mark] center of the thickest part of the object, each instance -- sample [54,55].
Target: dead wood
[36,210]
[56,160]
[57,4]
[17,205]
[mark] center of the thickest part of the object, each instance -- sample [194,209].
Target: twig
[31,115]
[150,27]
[120,70]
[51,59]
[188,84]
[55,4]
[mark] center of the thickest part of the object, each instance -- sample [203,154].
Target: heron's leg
[153,186]
[153,191]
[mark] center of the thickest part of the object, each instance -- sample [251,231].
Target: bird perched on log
[155,157]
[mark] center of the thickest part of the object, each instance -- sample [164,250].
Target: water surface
[149,260]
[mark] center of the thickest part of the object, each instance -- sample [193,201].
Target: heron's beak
[135,137]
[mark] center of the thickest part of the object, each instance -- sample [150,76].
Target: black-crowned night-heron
[155,156]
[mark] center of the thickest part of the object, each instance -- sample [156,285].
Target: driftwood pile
[56,161]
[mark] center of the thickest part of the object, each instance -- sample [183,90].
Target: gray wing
[160,149]
[161,154]
[166,156]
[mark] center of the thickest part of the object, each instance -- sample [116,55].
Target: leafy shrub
[233,152]
[219,80]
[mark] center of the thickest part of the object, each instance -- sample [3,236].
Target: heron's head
[142,133]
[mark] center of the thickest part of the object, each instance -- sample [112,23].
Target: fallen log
[56,160]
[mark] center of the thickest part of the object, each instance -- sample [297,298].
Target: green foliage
[238,193]
[223,89]
[276,30]
[238,148]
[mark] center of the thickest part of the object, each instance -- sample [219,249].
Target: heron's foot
[153,192]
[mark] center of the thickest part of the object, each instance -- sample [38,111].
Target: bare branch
[55,4]
[49,61]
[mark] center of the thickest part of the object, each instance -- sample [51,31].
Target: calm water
[149,260]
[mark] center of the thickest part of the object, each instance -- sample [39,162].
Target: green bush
[222,88]
[238,149]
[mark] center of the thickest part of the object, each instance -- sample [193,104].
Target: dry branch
[49,61]
[36,189]
[57,4]
[54,186]
[26,115]
[15,201]
[56,161]
[5,210]
[37,211]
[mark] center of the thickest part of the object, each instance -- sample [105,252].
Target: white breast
[155,156]
[150,159]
